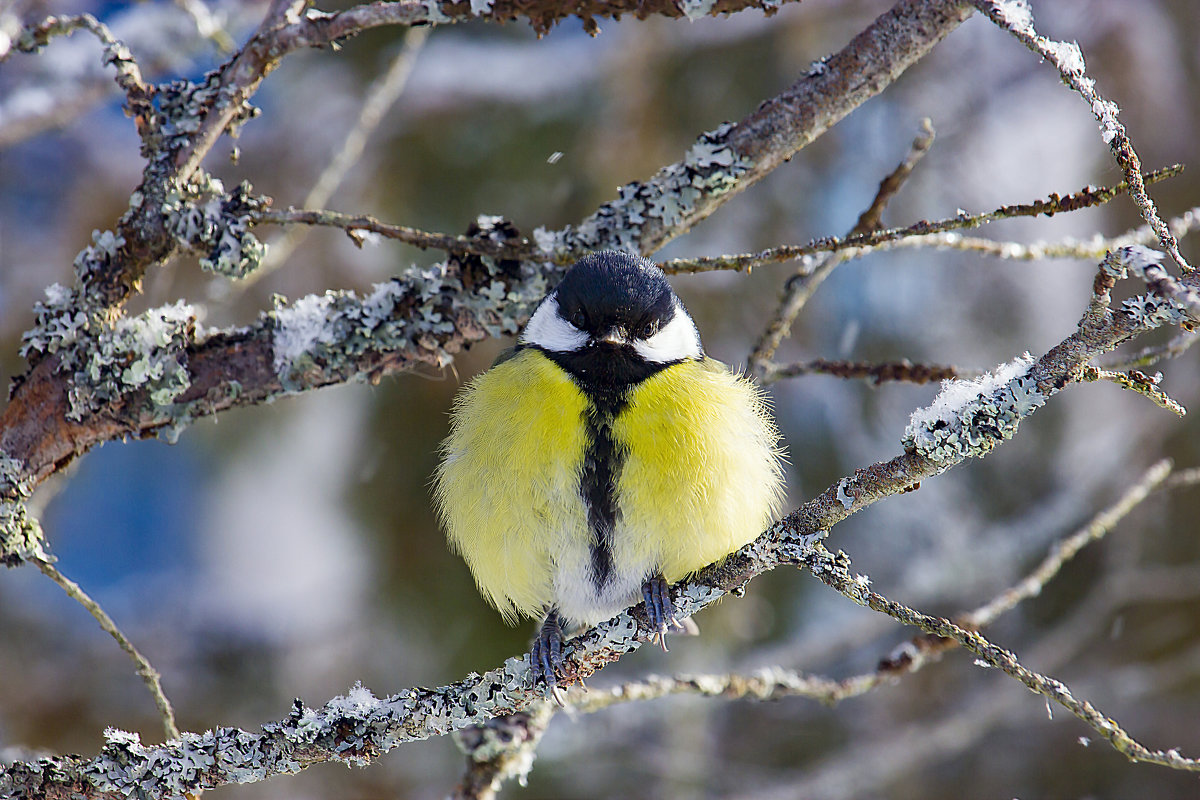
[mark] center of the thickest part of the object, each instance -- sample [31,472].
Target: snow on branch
[417,318]
[358,727]
[1016,17]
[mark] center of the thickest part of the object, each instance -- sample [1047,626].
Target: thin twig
[1066,549]
[354,225]
[768,683]
[1183,478]
[772,683]
[1149,356]
[138,93]
[802,285]
[145,670]
[1067,58]
[872,218]
[891,371]
[832,570]
[381,96]
[1136,381]
[208,24]
[1089,249]
[1054,204]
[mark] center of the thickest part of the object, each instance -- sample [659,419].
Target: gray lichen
[66,314]
[182,104]
[1167,303]
[142,353]
[709,169]
[844,497]
[1153,310]
[206,219]
[969,418]
[20,534]
[110,360]
[415,312]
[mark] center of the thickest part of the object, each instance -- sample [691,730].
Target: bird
[604,457]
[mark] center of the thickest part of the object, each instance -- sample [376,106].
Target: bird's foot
[660,611]
[545,657]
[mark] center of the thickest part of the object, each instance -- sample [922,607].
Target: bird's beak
[615,336]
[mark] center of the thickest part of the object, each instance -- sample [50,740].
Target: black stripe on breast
[602,462]
[606,374]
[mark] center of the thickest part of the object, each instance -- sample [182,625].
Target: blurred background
[290,550]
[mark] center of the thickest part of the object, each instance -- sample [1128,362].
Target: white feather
[549,330]
[675,341]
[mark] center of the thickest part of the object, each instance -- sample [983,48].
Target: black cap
[610,289]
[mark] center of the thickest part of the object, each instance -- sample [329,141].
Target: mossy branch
[178,207]
[358,728]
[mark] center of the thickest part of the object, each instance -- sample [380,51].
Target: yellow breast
[701,477]
[703,474]
[507,489]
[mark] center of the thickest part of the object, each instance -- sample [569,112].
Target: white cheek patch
[675,341]
[548,330]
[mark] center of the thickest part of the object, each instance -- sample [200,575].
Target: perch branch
[358,728]
[773,683]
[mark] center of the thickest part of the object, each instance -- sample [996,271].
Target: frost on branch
[969,418]
[414,314]
[1015,14]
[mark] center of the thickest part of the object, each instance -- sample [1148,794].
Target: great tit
[603,458]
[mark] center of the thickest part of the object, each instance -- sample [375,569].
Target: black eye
[646,329]
[579,319]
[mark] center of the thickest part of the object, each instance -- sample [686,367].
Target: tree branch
[426,321]
[733,157]
[918,231]
[145,669]
[1017,19]
[775,683]
[358,728]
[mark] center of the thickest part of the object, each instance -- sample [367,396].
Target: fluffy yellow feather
[703,475]
[507,489]
[700,479]
[604,458]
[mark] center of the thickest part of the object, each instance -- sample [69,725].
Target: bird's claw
[545,657]
[660,610]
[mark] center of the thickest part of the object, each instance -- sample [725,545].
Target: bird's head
[614,305]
